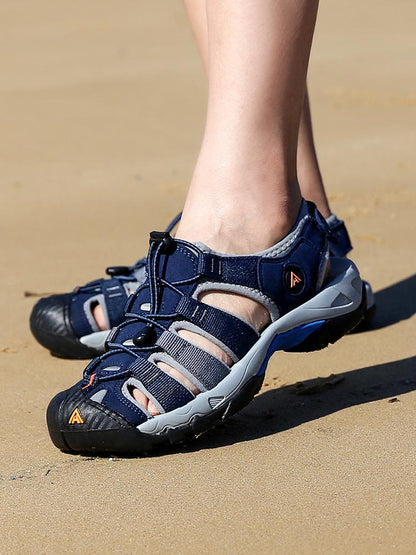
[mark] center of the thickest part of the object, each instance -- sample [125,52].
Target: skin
[309,175]
[256,57]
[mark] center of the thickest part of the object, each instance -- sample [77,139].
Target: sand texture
[101,113]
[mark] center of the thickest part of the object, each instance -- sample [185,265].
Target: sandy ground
[101,110]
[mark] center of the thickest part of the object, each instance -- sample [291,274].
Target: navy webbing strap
[238,336]
[115,299]
[168,392]
[206,368]
[238,270]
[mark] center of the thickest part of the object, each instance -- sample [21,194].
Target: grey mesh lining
[281,248]
[130,287]
[140,275]
[253,294]
[333,221]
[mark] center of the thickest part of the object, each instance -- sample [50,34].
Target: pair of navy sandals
[312,292]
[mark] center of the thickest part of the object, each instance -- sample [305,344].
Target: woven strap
[233,332]
[115,299]
[167,391]
[237,270]
[206,368]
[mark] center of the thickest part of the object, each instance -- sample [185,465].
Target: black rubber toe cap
[79,425]
[51,326]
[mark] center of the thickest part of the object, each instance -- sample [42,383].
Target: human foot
[100,414]
[229,236]
[75,325]
[48,328]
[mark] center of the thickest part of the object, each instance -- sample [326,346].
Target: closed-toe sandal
[312,300]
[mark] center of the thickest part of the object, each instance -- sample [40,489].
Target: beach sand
[102,109]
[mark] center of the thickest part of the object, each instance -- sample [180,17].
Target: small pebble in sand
[6,350]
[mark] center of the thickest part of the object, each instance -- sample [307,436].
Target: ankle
[244,195]
[247,226]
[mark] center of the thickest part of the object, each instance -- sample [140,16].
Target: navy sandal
[311,303]
[65,324]
[340,245]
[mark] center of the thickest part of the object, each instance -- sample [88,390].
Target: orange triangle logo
[294,280]
[76,417]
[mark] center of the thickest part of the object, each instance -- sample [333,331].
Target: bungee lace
[152,318]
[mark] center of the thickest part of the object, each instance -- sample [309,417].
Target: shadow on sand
[395,303]
[290,406]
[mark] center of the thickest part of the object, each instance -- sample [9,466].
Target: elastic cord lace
[139,264]
[121,278]
[153,317]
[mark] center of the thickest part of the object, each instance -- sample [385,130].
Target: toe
[76,423]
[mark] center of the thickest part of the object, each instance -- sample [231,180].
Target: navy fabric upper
[115,296]
[339,240]
[174,269]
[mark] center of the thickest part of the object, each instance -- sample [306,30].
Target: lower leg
[309,175]
[244,195]
[247,165]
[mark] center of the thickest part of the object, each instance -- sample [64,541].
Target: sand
[101,109]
